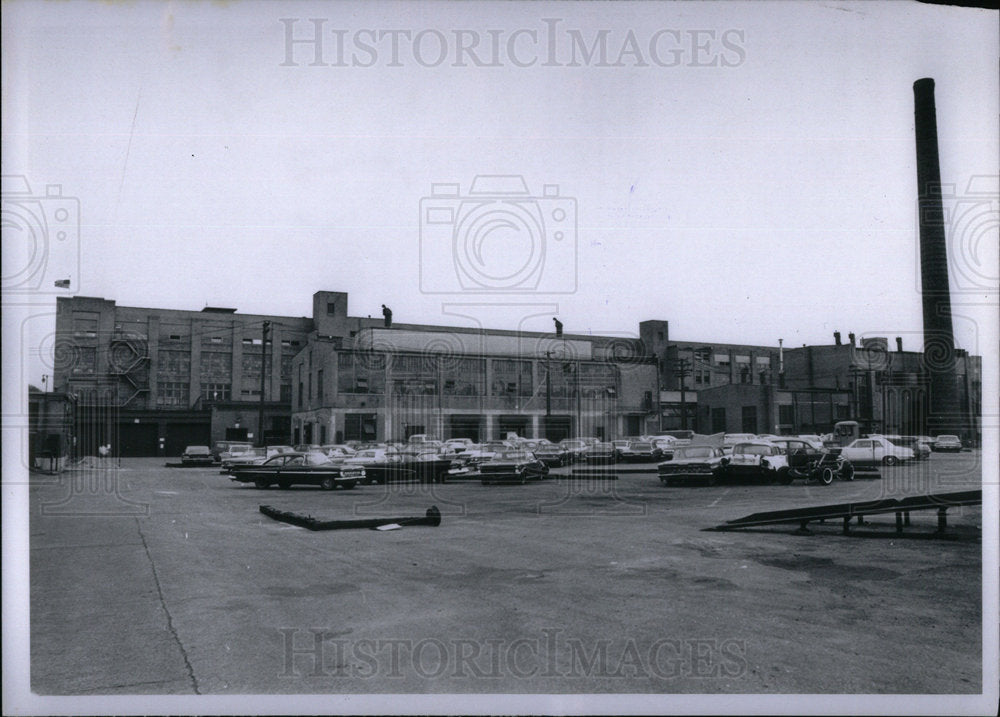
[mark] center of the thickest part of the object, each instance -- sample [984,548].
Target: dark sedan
[551,455]
[641,451]
[701,464]
[512,467]
[288,469]
[601,453]
[197,456]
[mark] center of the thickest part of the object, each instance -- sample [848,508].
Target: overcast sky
[746,173]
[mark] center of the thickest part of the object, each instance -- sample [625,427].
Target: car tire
[328,484]
[826,476]
[261,483]
[847,471]
[890,460]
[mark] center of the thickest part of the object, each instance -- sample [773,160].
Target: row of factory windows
[433,374]
[176,394]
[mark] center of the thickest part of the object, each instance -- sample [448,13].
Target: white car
[947,443]
[757,461]
[875,451]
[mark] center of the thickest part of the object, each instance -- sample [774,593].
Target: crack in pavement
[170,619]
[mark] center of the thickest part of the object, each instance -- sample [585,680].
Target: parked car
[551,455]
[338,450]
[512,465]
[809,459]
[307,447]
[575,448]
[921,449]
[731,439]
[702,464]
[642,452]
[197,456]
[486,451]
[311,468]
[254,456]
[757,461]
[947,443]
[459,445]
[601,453]
[384,466]
[231,447]
[875,451]
[234,450]
[681,437]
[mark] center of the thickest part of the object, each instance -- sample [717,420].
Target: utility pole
[682,369]
[548,388]
[263,378]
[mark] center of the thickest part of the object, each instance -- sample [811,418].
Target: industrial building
[151,381]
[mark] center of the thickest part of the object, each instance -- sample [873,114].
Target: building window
[301,394]
[217,365]
[86,362]
[286,393]
[719,420]
[360,427]
[786,414]
[85,324]
[175,363]
[172,394]
[250,393]
[319,385]
[722,360]
[511,377]
[749,416]
[215,391]
[464,377]
[331,308]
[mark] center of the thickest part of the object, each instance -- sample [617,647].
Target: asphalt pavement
[151,580]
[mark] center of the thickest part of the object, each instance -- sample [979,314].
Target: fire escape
[128,366]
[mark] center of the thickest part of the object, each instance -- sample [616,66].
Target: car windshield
[753,449]
[202,450]
[316,458]
[947,438]
[601,447]
[640,446]
[694,452]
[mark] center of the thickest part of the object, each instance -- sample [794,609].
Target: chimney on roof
[851,337]
[899,344]
[836,337]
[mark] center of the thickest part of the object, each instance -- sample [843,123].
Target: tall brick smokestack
[939,340]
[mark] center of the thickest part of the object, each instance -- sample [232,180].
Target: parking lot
[146,579]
